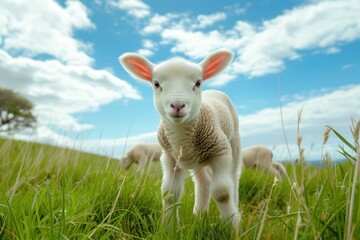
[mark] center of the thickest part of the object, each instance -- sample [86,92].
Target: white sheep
[199,131]
[262,157]
[141,154]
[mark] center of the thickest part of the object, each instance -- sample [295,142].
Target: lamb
[199,131]
[261,157]
[141,154]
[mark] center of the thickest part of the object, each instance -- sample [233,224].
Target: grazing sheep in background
[261,157]
[142,154]
[199,131]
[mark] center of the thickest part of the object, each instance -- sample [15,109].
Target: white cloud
[148,48]
[347,66]
[332,50]
[148,44]
[65,84]
[208,20]
[237,8]
[261,50]
[134,8]
[116,147]
[335,108]
[145,52]
[197,44]
[227,76]
[328,51]
[59,91]
[157,23]
[109,147]
[180,21]
[299,29]
[37,28]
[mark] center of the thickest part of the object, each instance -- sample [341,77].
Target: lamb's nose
[177,106]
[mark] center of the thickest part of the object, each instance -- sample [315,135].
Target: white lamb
[199,132]
[261,157]
[141,154]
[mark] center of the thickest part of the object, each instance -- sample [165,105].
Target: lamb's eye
[198,83]
[156,84]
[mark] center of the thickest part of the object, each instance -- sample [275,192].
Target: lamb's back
[145,150]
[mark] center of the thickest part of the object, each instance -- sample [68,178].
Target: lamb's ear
[215,63]
[138,66]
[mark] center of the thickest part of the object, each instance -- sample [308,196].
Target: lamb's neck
[181,132]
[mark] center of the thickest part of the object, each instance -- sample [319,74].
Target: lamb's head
[126,162]
[176,82]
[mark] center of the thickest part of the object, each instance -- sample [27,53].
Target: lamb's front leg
[171,188]
[222,189]
[202,180]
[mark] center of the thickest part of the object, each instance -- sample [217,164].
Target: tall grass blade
[344,140]
[346,154]
[51,215]
[18,232]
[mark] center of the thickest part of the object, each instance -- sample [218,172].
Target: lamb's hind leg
[202,180]
[222,189]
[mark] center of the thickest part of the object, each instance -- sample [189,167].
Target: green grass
[55,193]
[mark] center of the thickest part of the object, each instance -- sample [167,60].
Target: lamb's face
[126,162]
[177,90]
[176,82]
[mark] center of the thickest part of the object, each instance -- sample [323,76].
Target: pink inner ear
[214,65]
[140,68]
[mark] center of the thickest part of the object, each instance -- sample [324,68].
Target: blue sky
[63,55]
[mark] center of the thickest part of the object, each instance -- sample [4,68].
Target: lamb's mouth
[177,117]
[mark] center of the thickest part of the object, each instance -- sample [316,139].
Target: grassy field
[54,193]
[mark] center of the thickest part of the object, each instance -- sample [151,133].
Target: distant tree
[15,112]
